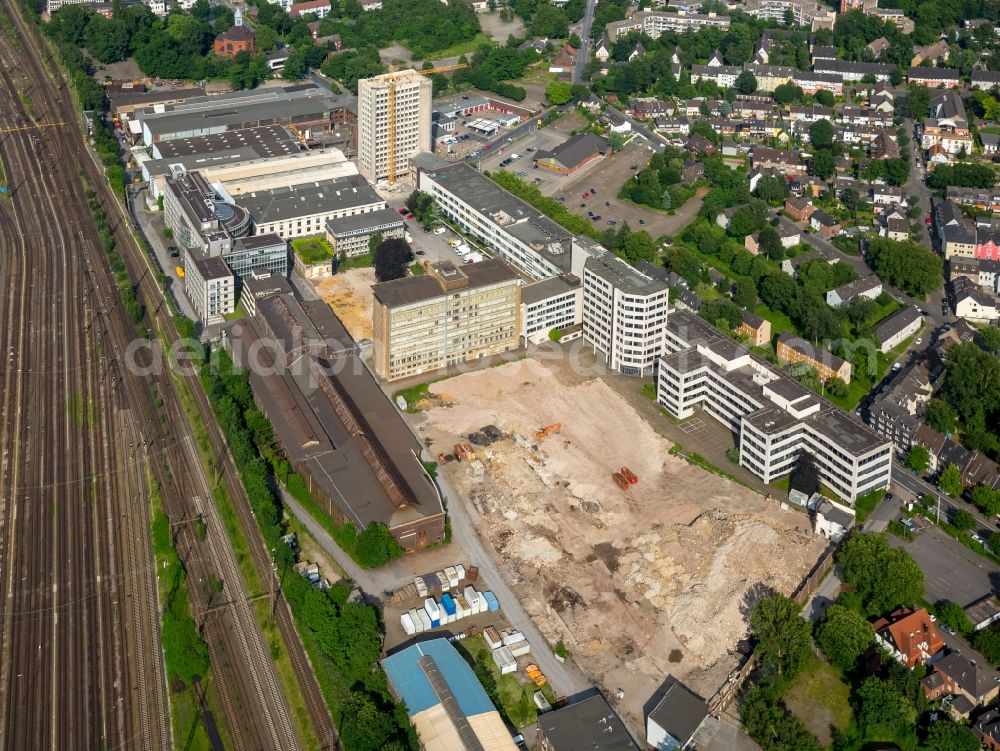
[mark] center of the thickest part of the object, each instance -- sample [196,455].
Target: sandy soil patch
[641,583]
[350,296]
[498,30]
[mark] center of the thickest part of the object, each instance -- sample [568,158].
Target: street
[584,54]
[914,487]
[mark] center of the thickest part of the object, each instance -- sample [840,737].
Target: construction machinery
[620,480]
[555,427]
[464,452]
[391,86]
[629,475]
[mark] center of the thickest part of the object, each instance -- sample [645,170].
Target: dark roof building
[675,719]
[572,154]
[587,725]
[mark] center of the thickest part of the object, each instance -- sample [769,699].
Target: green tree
[883,707]
[772,189]
[963,520]
[918,102]
[906,264]
[558,92]
[821,134]
[825,98]
[744,293]
[392,258]
[950,481]
[884,577]
[787,93]
[843,635]
[945,735]
[851,199]
[989,339]
[942,416]
[918,458]
[770,244]
[952,615]
[994,543]
[823,164]
[986,499]
[746,82]
[783,640]
[836,387]
[107,39]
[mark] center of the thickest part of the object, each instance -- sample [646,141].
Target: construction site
[349,294]
[640,563]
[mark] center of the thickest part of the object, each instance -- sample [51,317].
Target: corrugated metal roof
[411,683]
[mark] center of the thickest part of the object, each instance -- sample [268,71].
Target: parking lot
[951,570]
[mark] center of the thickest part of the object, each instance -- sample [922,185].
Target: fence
[727,692]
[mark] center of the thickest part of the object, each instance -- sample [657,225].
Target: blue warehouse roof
[412,685]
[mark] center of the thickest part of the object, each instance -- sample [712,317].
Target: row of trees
[659,185]
[343,638]
[905,264]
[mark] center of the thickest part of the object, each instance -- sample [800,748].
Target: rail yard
[80,662]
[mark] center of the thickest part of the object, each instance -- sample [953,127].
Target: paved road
[566,678]
[583,54]
[912,486]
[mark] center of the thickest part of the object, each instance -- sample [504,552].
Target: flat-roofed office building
[394,114]
[449,316]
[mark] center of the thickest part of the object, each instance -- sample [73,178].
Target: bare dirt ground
[350,296]
[395,52]
[498,30]
[642,583]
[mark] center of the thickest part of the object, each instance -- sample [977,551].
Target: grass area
[312,250]
[536,75]
[865,504]
[784,484]
[515,696]
[780,323]
[358,262]
[412,395]
[461,48]
[82,411]
[236,314]
[707,292]
[819,697]
[417,269]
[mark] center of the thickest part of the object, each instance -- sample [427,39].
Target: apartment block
[394,115]
[449,316]
[624,313]
[518,233]
[210,286]
[796,351]
[654,23]
[552,304]
[774,417]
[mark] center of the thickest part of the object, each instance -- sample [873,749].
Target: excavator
[555,427]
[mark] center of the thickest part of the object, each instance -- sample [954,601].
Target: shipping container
[504,660]
[521,649]
[443,581]
[492,638]
[452,576]
[464,611]
[424,619]
[541,702]
[448,604]
[471,595]
[418,625]
[460,570]
[433,585]
[421,586]
[407,623]
[432,609]
[511,637]
[491,601]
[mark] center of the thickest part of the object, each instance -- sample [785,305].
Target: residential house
[867,286]
[895,228]
[672,723]
[757,330]
[833,520]
[898,327]
[590,723]
[725,216]
[895,412]
[826,225]
[935,78]
[799,209]
[991,143]
[910,636]
[972,685]
[884,146]
[797,351]
[786,162]
[886,195]
[987,729]
[692,172]
[810,114]
[971,303]
[932,53]
[850,71]
[821,52]
[698,144]
[602,48]
[879,46]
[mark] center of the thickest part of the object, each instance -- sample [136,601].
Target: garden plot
[639,583]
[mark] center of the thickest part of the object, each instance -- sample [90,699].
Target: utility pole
[274,576]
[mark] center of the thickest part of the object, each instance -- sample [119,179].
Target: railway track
[256,712]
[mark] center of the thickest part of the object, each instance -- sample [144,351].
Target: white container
[407,623]
[460,570]
[504,660]
[444,581]
[462,607]
[418,625]
[512,637]
[421,586]
[424,619]
[519,650]
[492,638]
[452,576]
[432,608]
[470,594]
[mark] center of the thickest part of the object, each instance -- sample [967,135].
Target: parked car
[642,221]
[403,210]
[419,252]
[593,191]
[612,222]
